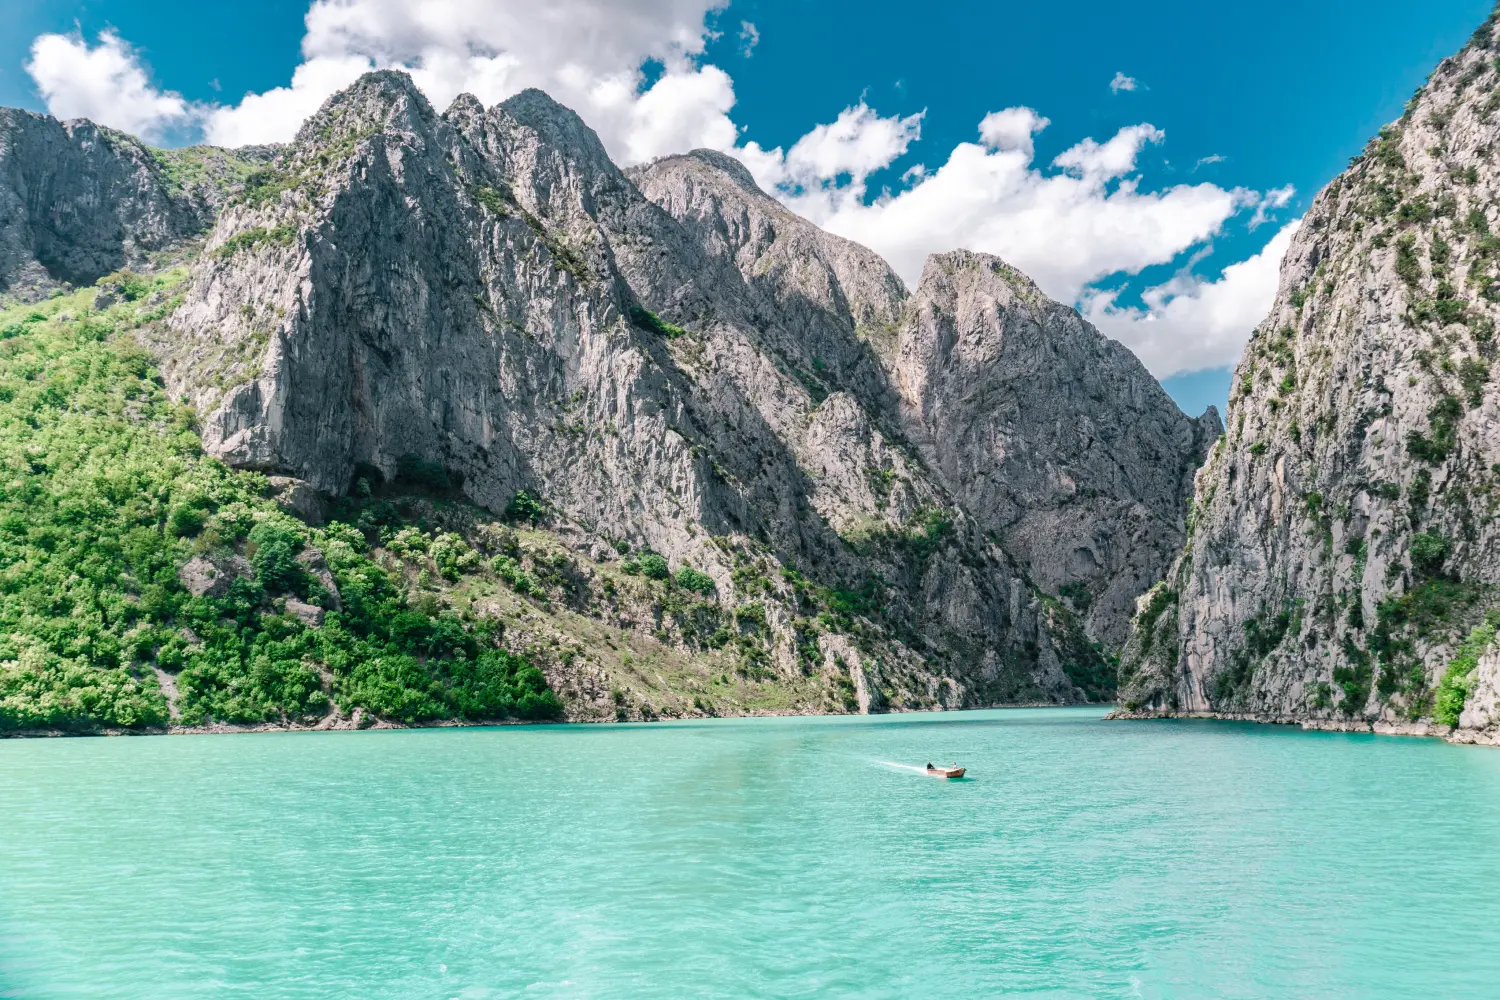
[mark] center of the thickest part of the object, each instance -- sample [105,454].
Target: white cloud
[1066,228]
[1114,158]
[856,144]
[275,115]
[1210,160]
[1190,324]
[1011,129]
[1086,216]
[1269,202]
[104,83]
[585,54]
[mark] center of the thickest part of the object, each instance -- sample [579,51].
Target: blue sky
[1245,99]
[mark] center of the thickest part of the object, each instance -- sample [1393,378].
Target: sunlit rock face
[1343,537]
[670,358]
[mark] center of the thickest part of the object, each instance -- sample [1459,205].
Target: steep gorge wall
[1053,438]
[483,291]
[1341,562]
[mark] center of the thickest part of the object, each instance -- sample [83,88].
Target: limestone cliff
[887,491]
[78,201]
[1055,439]
[1342,552]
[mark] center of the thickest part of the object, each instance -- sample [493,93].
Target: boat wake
[903,767]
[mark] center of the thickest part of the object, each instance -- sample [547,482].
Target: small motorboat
[953,771]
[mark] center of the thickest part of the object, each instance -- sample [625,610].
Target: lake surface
[752,858]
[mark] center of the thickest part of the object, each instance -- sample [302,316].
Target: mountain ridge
[699,404]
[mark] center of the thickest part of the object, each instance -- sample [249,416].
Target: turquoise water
[753,858]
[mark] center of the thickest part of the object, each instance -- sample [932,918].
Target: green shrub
[498,202]
[453,556]
[1078,593]
[751,617]
[524,507]
[648,320]
[691,579]
[1473,374]
[1428,553]
[1443,418]
[1458,679]
[249,239]
[651,565]
[275,545]
[1408,268]
[522,582]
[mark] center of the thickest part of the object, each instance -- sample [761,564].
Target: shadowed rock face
[78,201]
[1344,534]
[1053,438]
[668,357]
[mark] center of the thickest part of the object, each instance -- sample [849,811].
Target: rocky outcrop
[79,201]
[212,575]
[1342,554]
[1053,438]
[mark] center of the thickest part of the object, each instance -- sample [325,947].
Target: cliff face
[485,294]
[886,491]
[1056,440]
[1341,560]
[78,201]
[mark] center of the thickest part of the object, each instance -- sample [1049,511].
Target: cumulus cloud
[1190,324]
[848,150]
[105,83]
[1272,200]
[1011,130]
[585,54]
[1085,217]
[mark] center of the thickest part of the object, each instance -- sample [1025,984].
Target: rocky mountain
[79,201]
[598,409]
[1055,439]
[1340,567]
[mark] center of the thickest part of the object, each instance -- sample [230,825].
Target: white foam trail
[903,767]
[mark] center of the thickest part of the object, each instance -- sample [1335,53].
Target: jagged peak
[381,99]
[556,125]
[723,162]
[715,163]
[953,262]
[465,108]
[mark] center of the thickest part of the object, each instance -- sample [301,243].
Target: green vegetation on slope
[105,494]
[1458,680]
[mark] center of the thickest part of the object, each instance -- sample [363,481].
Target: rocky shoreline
[1379,727]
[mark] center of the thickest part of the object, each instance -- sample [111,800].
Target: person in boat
[930,767]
